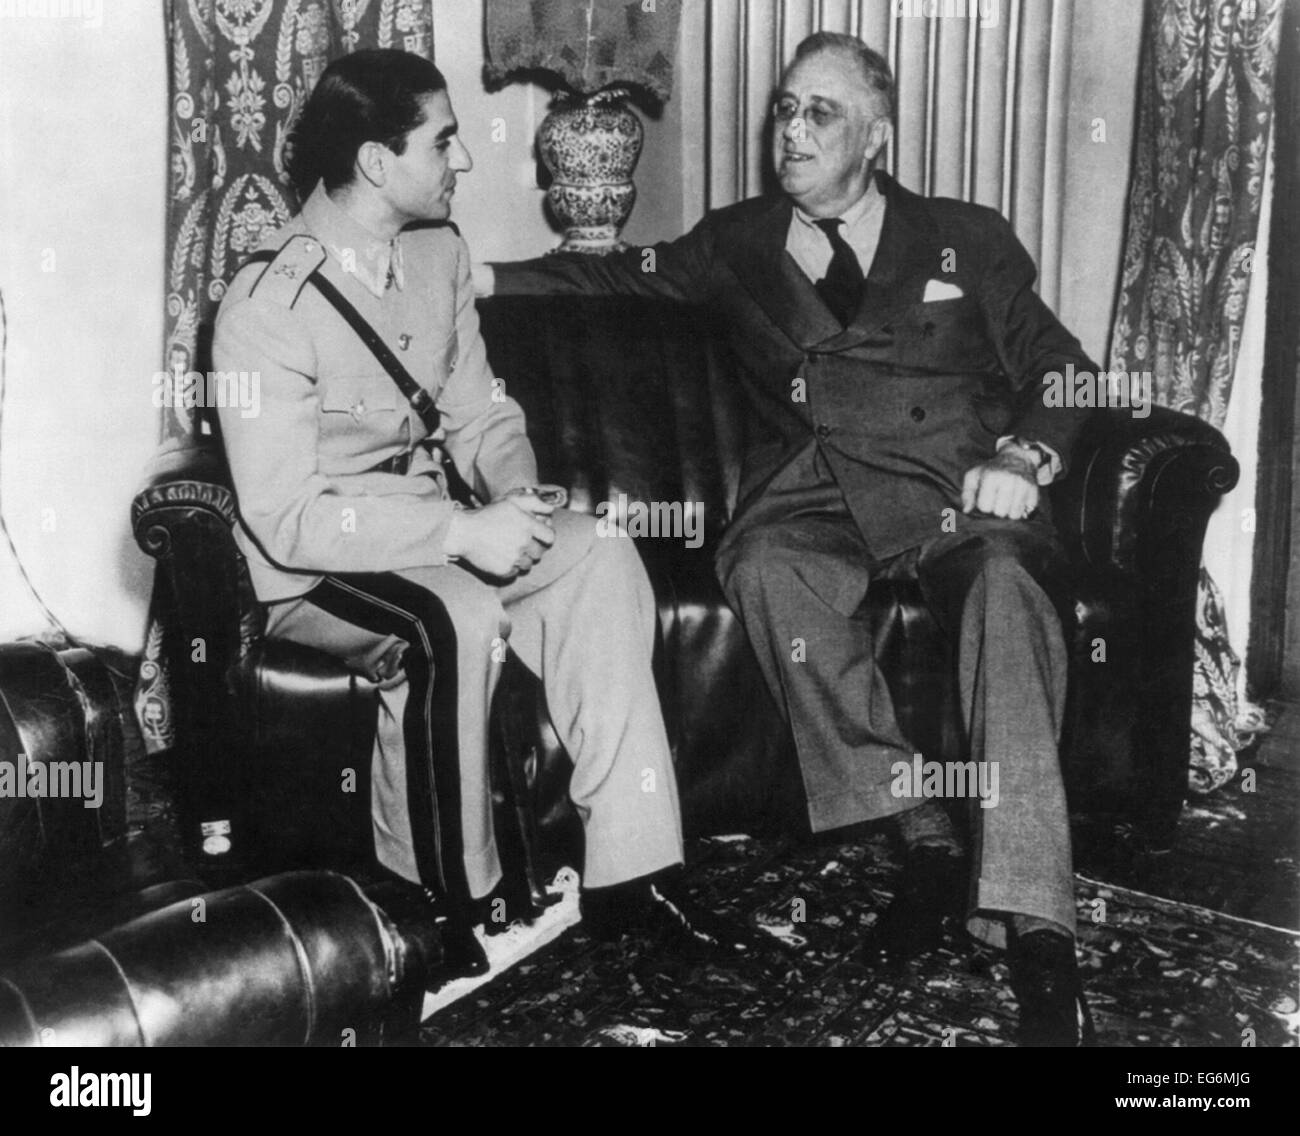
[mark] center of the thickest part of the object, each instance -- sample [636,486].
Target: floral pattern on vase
[597,55]
[591,149]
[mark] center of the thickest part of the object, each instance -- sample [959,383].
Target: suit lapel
[776,282]
[906,257]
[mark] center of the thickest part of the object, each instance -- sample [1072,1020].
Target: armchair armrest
[1139,493]
[183,517]
[181,486]
[237,698]
[207,620]
[1132,512]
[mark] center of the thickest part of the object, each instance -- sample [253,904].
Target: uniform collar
[375,262]
[864,205]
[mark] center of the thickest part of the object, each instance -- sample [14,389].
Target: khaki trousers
[583,621]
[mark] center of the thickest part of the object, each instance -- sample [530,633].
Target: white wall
[82,183]
[497,205]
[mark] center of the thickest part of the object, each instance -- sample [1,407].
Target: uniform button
[823,431]
[918,415]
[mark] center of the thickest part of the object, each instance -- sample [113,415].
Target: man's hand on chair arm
[1007,485]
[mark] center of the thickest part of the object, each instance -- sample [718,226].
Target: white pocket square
[941,290]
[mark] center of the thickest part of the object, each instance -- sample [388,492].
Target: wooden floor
[1193,948]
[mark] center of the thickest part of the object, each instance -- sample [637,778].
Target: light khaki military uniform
[350,556]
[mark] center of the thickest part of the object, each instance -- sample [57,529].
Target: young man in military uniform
[357,548]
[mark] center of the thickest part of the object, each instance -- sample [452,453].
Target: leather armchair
[58,708]
[636,397]
[104,938]
[300,958]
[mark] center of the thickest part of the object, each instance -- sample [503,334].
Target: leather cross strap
[415,394]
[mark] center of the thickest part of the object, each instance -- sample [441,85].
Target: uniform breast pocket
[362,404]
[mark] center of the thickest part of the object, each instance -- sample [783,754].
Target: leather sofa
[636,398]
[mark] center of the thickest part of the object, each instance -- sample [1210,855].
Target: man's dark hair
[875,68]
[368,96]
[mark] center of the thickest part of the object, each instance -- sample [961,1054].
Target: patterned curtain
[1204,115]
[240,73]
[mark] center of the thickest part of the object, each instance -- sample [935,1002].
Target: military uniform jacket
[902,401]
[311,499]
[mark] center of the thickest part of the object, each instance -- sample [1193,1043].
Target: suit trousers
[796,569]
[583,620]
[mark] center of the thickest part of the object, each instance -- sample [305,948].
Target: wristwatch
[1048,464]
[1044,454]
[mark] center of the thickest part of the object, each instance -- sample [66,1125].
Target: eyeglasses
[787,109]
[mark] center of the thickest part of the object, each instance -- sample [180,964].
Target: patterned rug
[1158,973]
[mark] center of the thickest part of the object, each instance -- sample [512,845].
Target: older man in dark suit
[893,352]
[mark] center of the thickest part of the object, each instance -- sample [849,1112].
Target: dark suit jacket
[906,398]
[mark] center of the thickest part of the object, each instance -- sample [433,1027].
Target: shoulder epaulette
[284,278]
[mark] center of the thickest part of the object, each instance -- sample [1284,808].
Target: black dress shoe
[462,953]
[693,931]
[929,905]
[448,946]
[658,907]
[1045,981]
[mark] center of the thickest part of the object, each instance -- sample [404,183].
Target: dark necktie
[841,287]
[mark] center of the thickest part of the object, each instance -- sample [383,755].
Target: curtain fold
[240,72]
[1205,109]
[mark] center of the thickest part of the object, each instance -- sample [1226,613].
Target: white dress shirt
[811,248]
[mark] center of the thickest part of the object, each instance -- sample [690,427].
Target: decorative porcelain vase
[591,145]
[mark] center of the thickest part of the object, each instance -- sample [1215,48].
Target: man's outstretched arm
[670,270]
